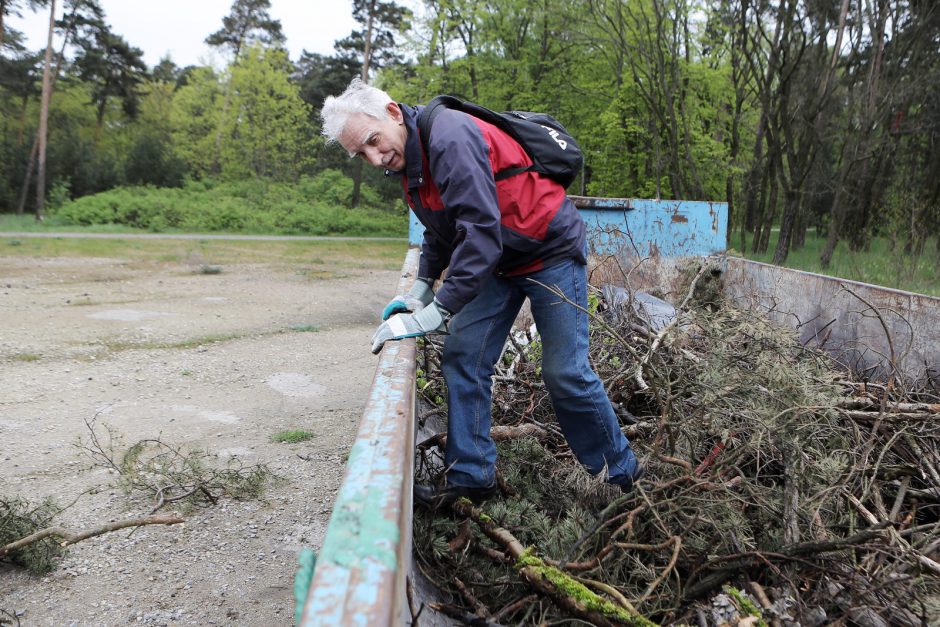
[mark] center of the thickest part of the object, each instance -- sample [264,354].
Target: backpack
[553,150]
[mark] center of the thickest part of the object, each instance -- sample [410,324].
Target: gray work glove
[414,301]
[431,319]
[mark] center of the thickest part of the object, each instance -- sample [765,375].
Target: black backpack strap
[505,174]
[426,121]
[429,114]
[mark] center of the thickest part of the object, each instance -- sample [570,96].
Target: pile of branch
[776,487]
[168,473]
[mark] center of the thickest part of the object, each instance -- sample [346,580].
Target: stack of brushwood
[779,489]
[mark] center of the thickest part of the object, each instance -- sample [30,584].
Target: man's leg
[478,334]
[578,397]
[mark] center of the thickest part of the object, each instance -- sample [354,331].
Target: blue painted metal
[366,555]
[643,228]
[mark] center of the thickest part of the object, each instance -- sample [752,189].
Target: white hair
[359,97]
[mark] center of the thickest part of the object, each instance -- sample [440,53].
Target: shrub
[314,206]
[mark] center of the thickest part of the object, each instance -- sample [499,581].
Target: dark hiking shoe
[433,497]
[627,486]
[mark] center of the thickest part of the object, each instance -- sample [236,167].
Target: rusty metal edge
[871,286]
[596,202]
[365,558]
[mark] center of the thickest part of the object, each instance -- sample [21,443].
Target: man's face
[381,142]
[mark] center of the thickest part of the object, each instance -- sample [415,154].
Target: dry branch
[71,537]
[752,442]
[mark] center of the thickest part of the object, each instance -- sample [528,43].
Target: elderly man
[501,241]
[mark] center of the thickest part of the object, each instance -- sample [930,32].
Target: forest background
[817,121]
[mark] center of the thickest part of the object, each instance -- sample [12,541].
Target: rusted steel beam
[593,202]
[366,554]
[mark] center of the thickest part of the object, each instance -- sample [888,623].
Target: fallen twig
[71,537]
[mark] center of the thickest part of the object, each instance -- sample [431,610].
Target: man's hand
[431,319]
[414,301]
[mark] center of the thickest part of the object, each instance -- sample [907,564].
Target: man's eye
[373,140]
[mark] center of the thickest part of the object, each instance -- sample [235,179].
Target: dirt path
[219,361]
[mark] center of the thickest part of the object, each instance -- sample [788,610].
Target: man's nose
[372,155]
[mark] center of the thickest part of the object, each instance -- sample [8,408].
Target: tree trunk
[753,183]
[367,52]
[840,31]
[28,177]
[798,239]
[763,228]
[770,214]
[44,118]
[937,250]
[99,119]
[34,151]
[837,214]
[694,187]
[765,87]
[786,227]
[3,11]
[366,63]
[737,79]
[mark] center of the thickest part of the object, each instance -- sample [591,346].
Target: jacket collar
[414,155]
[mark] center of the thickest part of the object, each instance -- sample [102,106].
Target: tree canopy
[797,113]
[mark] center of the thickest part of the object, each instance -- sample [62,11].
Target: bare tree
[44,117]
[81,13]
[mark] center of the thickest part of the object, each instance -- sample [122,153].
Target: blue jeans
[581,405]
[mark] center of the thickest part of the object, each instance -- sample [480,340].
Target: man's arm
[435,256]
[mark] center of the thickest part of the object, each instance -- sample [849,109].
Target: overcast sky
[179,27]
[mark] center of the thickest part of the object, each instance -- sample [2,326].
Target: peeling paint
[365,558]
[360,539]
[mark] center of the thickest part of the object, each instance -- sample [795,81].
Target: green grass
[292,436]
[305,328]
[363,254]
[28,224]
[878,266]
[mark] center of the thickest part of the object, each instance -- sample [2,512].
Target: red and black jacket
[474,224]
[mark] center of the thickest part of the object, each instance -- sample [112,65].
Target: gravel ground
[215,361]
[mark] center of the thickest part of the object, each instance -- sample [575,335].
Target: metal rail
[366,555]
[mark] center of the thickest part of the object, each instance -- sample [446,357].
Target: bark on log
[544,579]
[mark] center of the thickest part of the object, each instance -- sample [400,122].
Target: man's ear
[394,111]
